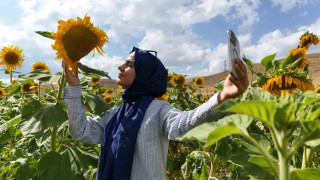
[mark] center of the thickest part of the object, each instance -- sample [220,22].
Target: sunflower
[199,81]
[205,98]
[109,99]
[2,92]
[163,98]
[120,88]
[40,65]
[95,81]
[11,57]
[307,39]
[170,76]
[76,39]
[14,81]
[179,79]
[109,91]
[28,87]
[282,84]
[317,90]
[298,53]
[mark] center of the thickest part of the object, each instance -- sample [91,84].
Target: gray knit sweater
[160,124]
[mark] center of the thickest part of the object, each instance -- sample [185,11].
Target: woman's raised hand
[233,88]
[72,79]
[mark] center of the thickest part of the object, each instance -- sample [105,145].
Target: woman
[135,136]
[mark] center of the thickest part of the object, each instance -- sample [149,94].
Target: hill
[210,81]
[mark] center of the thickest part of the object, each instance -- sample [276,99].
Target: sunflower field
[271,132]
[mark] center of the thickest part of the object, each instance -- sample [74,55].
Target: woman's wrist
[222,97]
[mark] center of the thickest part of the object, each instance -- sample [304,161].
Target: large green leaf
[195,166]
[70,166]
[305,174]
[37,117]
[14,88]
[262,110]
[262,162]
[23,171]
[50,166]
[39,74]
[97,104]
[267,62]
[90,71]
[241,159]
[210,133]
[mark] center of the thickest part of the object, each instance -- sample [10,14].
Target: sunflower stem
[39,91]
[59,97]
[11,74]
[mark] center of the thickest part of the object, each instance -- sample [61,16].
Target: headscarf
[120,134]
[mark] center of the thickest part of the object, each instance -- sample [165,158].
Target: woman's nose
[121,67]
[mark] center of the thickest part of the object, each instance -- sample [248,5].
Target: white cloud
[289,4]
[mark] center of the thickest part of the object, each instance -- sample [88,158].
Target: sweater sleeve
[176,123]
[83,128]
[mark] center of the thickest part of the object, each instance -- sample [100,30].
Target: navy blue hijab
[121,132]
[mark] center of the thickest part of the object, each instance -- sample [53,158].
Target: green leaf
[95,103]
[90,71]
[54,78]
[241,159]
[23,171]
[14,88]
[262,162]
[45,34]
[210,133]
[50,166]
[287,60]
[8,134]
[267,62]
[261,110]
[70,167]
[39,74]
[36,117]
[226,105]
[261,79]
[305,174]
[295,63]
[248,63]
[196,166]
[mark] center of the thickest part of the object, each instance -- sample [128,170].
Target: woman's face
[127,72]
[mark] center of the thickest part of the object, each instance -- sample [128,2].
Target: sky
[190,36]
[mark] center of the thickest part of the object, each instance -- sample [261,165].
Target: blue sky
[189,35]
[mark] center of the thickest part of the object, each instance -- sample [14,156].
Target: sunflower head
[282,84]
[307,39]
[179,79]
[76,39]
[14,81]
[109,99]
[120,88]
[199,81]
[28,87]
[2,92]
[317,90]
[95,81]
[11,57]
[163,98]
[205,98]
[40,65]
[109,91]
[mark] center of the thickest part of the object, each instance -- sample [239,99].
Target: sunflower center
[78,42]
[11,58]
